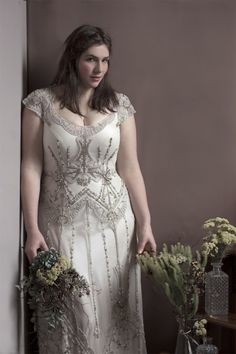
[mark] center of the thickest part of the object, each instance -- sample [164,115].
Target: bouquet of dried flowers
[220,235]
[180,274]
[51,281]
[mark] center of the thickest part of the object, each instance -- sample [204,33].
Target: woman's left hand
[146,240]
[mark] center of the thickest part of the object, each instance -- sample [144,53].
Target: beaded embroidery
[41,101]
[80,186]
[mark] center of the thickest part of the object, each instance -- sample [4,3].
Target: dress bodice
[80,161]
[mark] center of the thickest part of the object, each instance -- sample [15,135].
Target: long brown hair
[82,38]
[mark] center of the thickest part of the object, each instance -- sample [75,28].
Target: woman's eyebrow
[94,56]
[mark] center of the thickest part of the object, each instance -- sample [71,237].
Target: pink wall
[176,60]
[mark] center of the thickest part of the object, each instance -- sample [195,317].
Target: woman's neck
[84,98]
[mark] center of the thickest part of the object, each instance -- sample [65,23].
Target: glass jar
[216,291]
[185,343]
[207,347]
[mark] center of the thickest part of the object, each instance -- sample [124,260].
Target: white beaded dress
[85,213]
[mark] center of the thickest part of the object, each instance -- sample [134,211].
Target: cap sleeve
[125,109]
[34,102]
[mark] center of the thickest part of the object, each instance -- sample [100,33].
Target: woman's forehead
[98,50]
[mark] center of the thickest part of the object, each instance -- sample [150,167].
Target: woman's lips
[95,77]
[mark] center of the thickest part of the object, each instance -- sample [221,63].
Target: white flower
[200,330]
[196,324]
[221,220]
[208,225]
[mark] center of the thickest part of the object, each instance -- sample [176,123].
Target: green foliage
[180,275]
[44,260]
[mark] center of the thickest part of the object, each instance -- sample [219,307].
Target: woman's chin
[94,85]
[91,85]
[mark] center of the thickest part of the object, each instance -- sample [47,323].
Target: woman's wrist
[144,224]
[31,230]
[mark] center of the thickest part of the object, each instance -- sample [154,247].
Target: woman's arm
[129,170]
[31,170]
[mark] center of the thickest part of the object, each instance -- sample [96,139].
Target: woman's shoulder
[37,100]
[125,107]
[124,101]
[122,98]
[39,96]
[39,92]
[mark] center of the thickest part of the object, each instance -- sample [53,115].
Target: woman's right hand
[34,241]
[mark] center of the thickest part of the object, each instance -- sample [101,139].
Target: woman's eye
[90,59]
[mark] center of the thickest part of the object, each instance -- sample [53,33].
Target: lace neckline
[98,123]
[82,131]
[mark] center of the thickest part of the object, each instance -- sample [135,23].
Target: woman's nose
[98,67]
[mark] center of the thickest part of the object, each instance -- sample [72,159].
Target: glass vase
[185,343]
[207,347]
[216,291]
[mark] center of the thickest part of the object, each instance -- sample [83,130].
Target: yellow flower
[64,262]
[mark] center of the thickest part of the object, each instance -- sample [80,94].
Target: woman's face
[93,65]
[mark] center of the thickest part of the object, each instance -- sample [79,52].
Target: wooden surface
[228,321]
[222,330]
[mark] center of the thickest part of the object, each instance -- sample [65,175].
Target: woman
[80,176]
